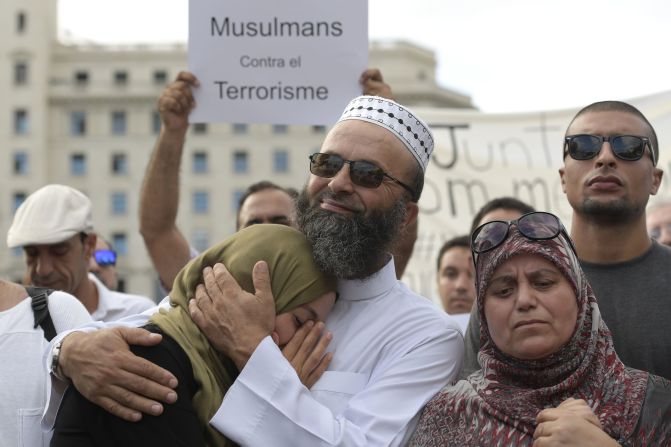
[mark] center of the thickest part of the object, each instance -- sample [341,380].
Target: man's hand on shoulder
[103,369]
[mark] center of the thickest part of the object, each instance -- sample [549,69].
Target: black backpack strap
[40,305]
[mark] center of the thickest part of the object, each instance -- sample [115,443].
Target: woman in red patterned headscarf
[550,374]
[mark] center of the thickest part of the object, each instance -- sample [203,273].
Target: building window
[119,203]
[21,22]
[119,164]
[280,128]
[281,160]
[118,122]
[200,162]
[120,242]
[200,128]
[17,199]
[200,240]
[160,77]
[78,123]
[81,77]
[20,73]
[120,77]
[318,129]
[201,202]
[240,128]
[237,195]
[77,164]
[20,163]
[155,122]
[240,162]
[20,121]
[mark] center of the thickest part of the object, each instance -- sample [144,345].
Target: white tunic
[23,380]
[393,350]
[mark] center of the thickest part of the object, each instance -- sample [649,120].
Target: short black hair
[619,106]
[257,187]
[457,241]
[501,203]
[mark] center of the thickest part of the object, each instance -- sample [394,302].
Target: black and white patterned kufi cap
[402,122]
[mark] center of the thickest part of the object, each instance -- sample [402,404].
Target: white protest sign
[276,61]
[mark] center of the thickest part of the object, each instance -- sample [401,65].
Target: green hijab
[295,280]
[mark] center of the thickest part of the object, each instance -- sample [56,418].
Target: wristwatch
[53,365]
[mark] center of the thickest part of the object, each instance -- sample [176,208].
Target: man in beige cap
[55,229]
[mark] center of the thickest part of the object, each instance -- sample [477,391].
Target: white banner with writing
[480,156]
[276,61]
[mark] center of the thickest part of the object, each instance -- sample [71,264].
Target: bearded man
[392,349]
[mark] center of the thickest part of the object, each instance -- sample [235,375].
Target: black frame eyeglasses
[625,147]
[105,257]
[363,173]
[536,226]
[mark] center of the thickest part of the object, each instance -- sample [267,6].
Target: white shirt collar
[375,285]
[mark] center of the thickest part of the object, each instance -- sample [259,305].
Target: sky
[508,55]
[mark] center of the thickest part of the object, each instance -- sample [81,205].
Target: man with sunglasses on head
[392,350]
[609,173]
[54,227]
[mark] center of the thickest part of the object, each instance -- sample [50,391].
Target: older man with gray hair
[55,228]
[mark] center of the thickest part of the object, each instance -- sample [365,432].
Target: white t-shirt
[23,379]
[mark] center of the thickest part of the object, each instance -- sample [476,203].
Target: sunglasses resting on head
[536,226]
[363,173]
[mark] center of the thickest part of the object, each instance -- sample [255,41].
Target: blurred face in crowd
[62,266]
[456,280]
[106,273]
[267,206]
[659,224]
[606,187]
[530,307]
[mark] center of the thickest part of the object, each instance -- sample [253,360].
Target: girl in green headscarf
[205,375]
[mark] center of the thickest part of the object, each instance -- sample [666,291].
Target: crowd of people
[297,330]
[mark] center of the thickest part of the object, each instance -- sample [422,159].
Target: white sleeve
[56,387]
[67,312]
[268,405]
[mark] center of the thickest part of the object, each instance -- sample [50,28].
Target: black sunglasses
[625,147]
[105,257]
[363,173]
[537,226]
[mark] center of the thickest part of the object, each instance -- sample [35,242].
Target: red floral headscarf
[498,404]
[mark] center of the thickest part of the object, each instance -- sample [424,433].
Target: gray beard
[349,247]
[608,214]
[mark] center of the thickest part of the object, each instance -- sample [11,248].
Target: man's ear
[562,176]
[657,175]
[411,211]
[89,245]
